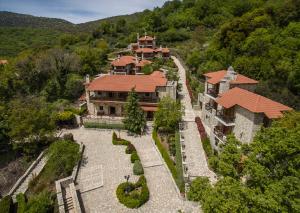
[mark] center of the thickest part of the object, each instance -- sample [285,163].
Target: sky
[78,11]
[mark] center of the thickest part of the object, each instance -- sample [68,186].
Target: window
[147,94]
[100,108]
[110,94]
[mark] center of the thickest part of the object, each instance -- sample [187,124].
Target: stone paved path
[195,155]
[100,151]
[24,186]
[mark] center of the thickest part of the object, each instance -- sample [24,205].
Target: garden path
[195,156]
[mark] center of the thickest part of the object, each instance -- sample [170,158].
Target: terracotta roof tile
[144,50]
[146,38]
[216,77]
[123,61]
[143,63]
[252,102]
[124,83]
[3,61]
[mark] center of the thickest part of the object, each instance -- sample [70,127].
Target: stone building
[229,105]
[146,48]
[106,95]
[128,65]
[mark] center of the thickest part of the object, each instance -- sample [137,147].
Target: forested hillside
[48,59]
[8,19]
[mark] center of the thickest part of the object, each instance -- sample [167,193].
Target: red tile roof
[146,38]
[3,61]
[252,102]
[124,83]
[142,63]
[216,77]
[123,61]
[144,50]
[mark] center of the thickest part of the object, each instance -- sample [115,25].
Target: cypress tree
[134,116]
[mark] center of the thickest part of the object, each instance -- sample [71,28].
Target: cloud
[78,11]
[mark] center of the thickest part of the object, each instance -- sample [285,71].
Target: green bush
[62,157]
[134,157]
[179,180]
[138,168]
[6,205]
[165,155]
[119,141]
[134,198]
[198,188]
[40,203]
[130,149]
[21,200]
[207,147]
[103,125]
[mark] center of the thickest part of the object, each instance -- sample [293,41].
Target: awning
[149,109]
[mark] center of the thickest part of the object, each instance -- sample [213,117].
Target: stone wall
[246,124]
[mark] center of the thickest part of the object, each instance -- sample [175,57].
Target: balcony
[225,118]
[121,99]
[208,107]
[212,93]
[219,133]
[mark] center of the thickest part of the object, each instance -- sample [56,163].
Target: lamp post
[127,188]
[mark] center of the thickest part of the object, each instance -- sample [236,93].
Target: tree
[134,116]
[168,114]
[74,86]
[62,157]
[29,120]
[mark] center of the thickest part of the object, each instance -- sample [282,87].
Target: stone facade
[244,124]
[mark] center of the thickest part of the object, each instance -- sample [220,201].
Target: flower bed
[204,139]
[201,128]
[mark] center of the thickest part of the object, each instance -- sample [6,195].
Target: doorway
[112,110]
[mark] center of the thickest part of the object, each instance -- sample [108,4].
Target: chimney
[137,36]
[160,47]
[136,59]
[119,57]
[87,79]
[231,74]
[145,34]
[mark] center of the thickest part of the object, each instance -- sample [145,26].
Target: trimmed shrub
[138,168]
[134,157]
[179,180]
[207,147]
[164,154]
[6,205]
[134,198]
[65,118]
[130,149]
[21,200]
[103,125]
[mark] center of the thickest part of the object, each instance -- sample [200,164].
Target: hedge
[21,200]
[138,168]
[103,125]
[207,147]
[133,199]
[165,155]
[179,180]
[6,205]
[134,157]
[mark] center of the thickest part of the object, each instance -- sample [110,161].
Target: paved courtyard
[105,166]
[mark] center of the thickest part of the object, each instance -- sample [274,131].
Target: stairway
[68,201]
